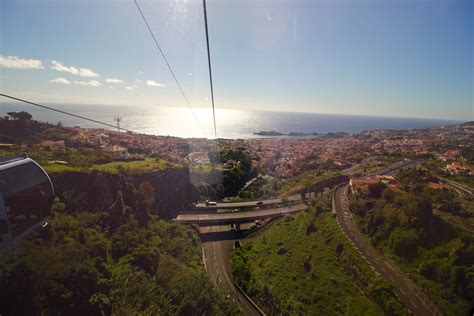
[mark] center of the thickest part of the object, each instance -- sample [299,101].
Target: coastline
[231,124]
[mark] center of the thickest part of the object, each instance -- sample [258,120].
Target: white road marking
[343,223]
[389,266]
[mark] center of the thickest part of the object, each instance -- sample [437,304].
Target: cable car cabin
[26,197]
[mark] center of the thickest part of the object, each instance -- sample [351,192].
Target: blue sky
[390,58]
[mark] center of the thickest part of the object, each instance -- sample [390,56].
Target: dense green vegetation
[136,166]
[437,167]
[262,187]
[437,255]
[22,128]
[468,154]
[76,157]
[238,172]
[304,265]
[304,178]
[119,261]
[88,158]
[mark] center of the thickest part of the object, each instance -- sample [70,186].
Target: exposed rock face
[173,190]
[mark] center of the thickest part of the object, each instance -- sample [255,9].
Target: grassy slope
[139,166]
[334,284]
[297,183]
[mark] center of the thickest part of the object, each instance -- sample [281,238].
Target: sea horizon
[231,123]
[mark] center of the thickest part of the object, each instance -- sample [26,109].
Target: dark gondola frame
[8,239]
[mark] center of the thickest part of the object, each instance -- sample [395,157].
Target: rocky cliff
[171,190]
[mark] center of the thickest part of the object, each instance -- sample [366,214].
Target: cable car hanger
[26,198]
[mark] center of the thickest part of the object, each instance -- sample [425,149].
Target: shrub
[404,242]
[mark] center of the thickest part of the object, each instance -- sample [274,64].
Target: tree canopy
[106,263]
[20,116]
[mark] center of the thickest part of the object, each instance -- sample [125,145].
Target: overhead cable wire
[63,112]
[210,68]
[169,66]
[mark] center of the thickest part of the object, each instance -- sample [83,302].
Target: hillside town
[450,145]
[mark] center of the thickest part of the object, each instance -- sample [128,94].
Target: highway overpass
[239,217]
[245,204]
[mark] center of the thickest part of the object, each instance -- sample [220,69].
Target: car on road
[259,222]
[259,203]
[210,203]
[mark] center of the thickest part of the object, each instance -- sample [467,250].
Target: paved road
[407,291]
[396,167]
[458,187]
[216,218]
[349,171]
[223,205]
[216,256]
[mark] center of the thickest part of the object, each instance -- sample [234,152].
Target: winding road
[461,189]
[216,257]
[218,243]
[405,289]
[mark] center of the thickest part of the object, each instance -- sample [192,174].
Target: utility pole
[118,119]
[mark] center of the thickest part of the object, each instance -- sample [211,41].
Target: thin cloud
[131,87]
[60,80]
[114,80]
[92,83]
[152,83]
[83,72]
[20,63]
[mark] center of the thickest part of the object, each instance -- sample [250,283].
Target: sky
[388,58]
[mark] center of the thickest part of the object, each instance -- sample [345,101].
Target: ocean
[177,121]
